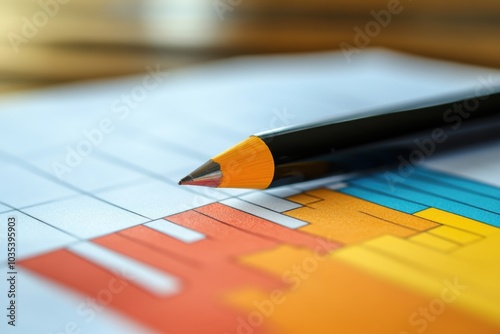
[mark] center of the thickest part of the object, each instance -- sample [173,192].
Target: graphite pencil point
[208,175]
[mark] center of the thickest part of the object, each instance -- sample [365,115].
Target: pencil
[398,138]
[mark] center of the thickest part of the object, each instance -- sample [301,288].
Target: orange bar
[166,315]
[222,239]
[207,277]
[350,220]
[336,297]
[266,229]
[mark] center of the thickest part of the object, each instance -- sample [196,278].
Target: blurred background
[47,42]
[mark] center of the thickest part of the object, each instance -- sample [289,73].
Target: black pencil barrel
[372,141]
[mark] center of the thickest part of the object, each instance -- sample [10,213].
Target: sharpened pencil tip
[186,180]
[208,175]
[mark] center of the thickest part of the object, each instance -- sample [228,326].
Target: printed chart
[96,236]
[407,257]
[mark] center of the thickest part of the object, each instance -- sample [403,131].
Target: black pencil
[379,139]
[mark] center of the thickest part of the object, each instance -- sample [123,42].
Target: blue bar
[402,191]
[474,186]
[384,200]
[451,192]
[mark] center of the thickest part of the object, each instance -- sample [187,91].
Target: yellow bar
[486,252]
[484,280]
[389,268]
[453,220]
[454,234]
[434,242]
[428,271]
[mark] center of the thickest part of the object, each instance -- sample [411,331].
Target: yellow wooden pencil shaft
[248,164]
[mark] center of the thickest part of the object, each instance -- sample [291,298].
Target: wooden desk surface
[81,40]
